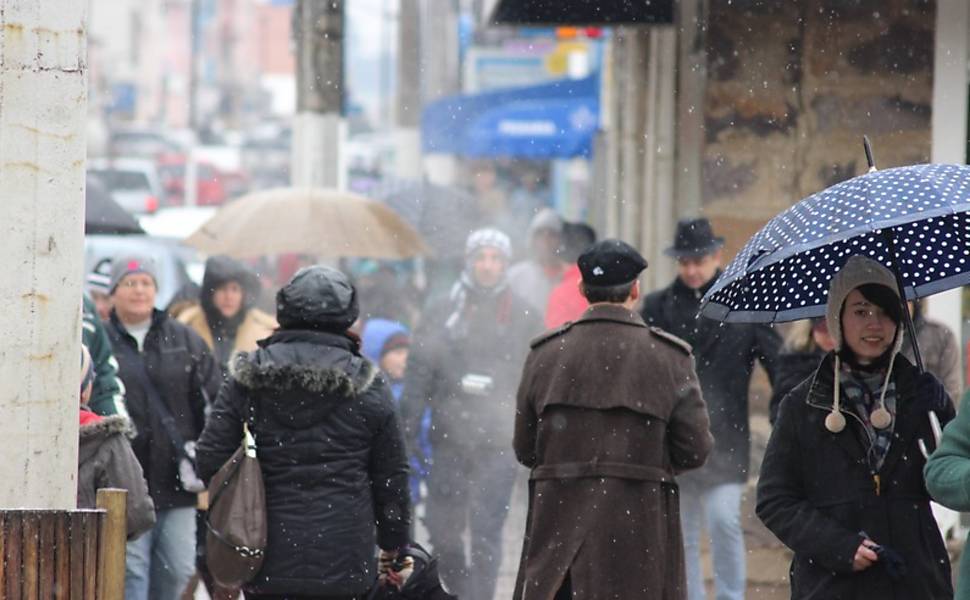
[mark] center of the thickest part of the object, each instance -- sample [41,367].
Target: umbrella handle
[901,287]
[937,434]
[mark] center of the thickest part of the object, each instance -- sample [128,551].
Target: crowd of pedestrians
[630,412]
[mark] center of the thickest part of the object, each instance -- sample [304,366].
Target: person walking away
[108,393]
[226,318]
[842,479]
[329,445]
[947,472]
[533,279]
[566,301]
[939,348]
[603,501]
[724,355]
[806,342]
[105,459]
[465,363]
[168,373]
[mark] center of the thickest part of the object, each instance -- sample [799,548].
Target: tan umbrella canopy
[319,222]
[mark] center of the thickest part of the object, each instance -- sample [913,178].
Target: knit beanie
[488,238]
[124,266]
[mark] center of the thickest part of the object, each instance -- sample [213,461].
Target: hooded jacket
[105,460]
[332,457]
[108,394]
[226,337]
[374,338]
[817,492]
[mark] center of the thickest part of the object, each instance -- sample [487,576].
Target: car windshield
[116,179]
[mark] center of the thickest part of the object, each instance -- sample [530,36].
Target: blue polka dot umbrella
[915,220]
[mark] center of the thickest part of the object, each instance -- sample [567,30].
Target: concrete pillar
[318,127]
[43,106]
[949,121]
[407,136]
[691,69]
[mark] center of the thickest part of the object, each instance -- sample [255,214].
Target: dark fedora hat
[694,237]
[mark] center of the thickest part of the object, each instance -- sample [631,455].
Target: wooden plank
[14,536]
[46,550]
[3,556]
[92,525]
[76,541]
[30,560]
[62,557]
[111,551]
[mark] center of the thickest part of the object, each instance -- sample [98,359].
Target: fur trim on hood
[322,380]
[106,426]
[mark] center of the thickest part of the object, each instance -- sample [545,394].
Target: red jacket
[566,303]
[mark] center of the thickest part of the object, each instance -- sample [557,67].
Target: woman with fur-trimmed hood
[842,479]
[225,316]
[328,442]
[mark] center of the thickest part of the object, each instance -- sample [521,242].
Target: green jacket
[947,475]
[108,393]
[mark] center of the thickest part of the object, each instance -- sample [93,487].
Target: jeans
[469,489]
[718,507]
[159,564]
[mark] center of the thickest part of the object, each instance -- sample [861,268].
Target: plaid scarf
[861,392]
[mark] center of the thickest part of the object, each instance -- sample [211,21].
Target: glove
[930,392]
[892,561]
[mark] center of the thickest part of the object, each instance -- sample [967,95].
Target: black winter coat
[493,344]
[186,377]
[793,368]
[332,456]
[724,355]
[817,494]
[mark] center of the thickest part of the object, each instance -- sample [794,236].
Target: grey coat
[106,460]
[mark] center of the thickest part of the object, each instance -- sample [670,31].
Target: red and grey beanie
[124,266]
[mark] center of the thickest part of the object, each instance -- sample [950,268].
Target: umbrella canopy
[914,220]
[320,222]
[444,216]
[103,215]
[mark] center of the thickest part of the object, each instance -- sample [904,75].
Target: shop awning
[552,120]
[583,12]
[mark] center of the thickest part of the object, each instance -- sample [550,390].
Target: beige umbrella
[319,222]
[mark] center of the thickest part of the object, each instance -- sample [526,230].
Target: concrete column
[407,136]
[949,120]
[691,73]
[43,103]
[318,127]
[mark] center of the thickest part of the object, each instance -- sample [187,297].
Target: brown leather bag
[236,521]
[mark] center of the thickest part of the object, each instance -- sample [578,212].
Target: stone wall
[792,87]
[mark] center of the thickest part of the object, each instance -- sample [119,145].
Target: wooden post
[111,551]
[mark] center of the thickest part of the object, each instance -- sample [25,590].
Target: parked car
[177,265]
[132,182]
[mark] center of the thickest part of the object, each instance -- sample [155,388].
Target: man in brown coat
[608,411]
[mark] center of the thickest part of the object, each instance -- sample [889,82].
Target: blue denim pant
[719,508]
[159,564]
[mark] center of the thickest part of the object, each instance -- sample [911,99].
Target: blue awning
[553,120]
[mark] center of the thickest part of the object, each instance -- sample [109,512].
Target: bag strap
[154,399]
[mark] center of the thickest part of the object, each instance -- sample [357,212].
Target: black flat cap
[611,262]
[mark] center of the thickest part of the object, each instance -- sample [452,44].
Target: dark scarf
[465,292]
[861,390]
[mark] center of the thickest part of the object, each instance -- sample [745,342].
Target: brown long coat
[608,410]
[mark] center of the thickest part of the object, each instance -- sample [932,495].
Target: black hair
[885,298]
[616,294]
[576,238]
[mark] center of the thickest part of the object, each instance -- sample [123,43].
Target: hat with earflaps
[856,272]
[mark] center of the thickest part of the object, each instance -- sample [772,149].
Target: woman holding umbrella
[841,483]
